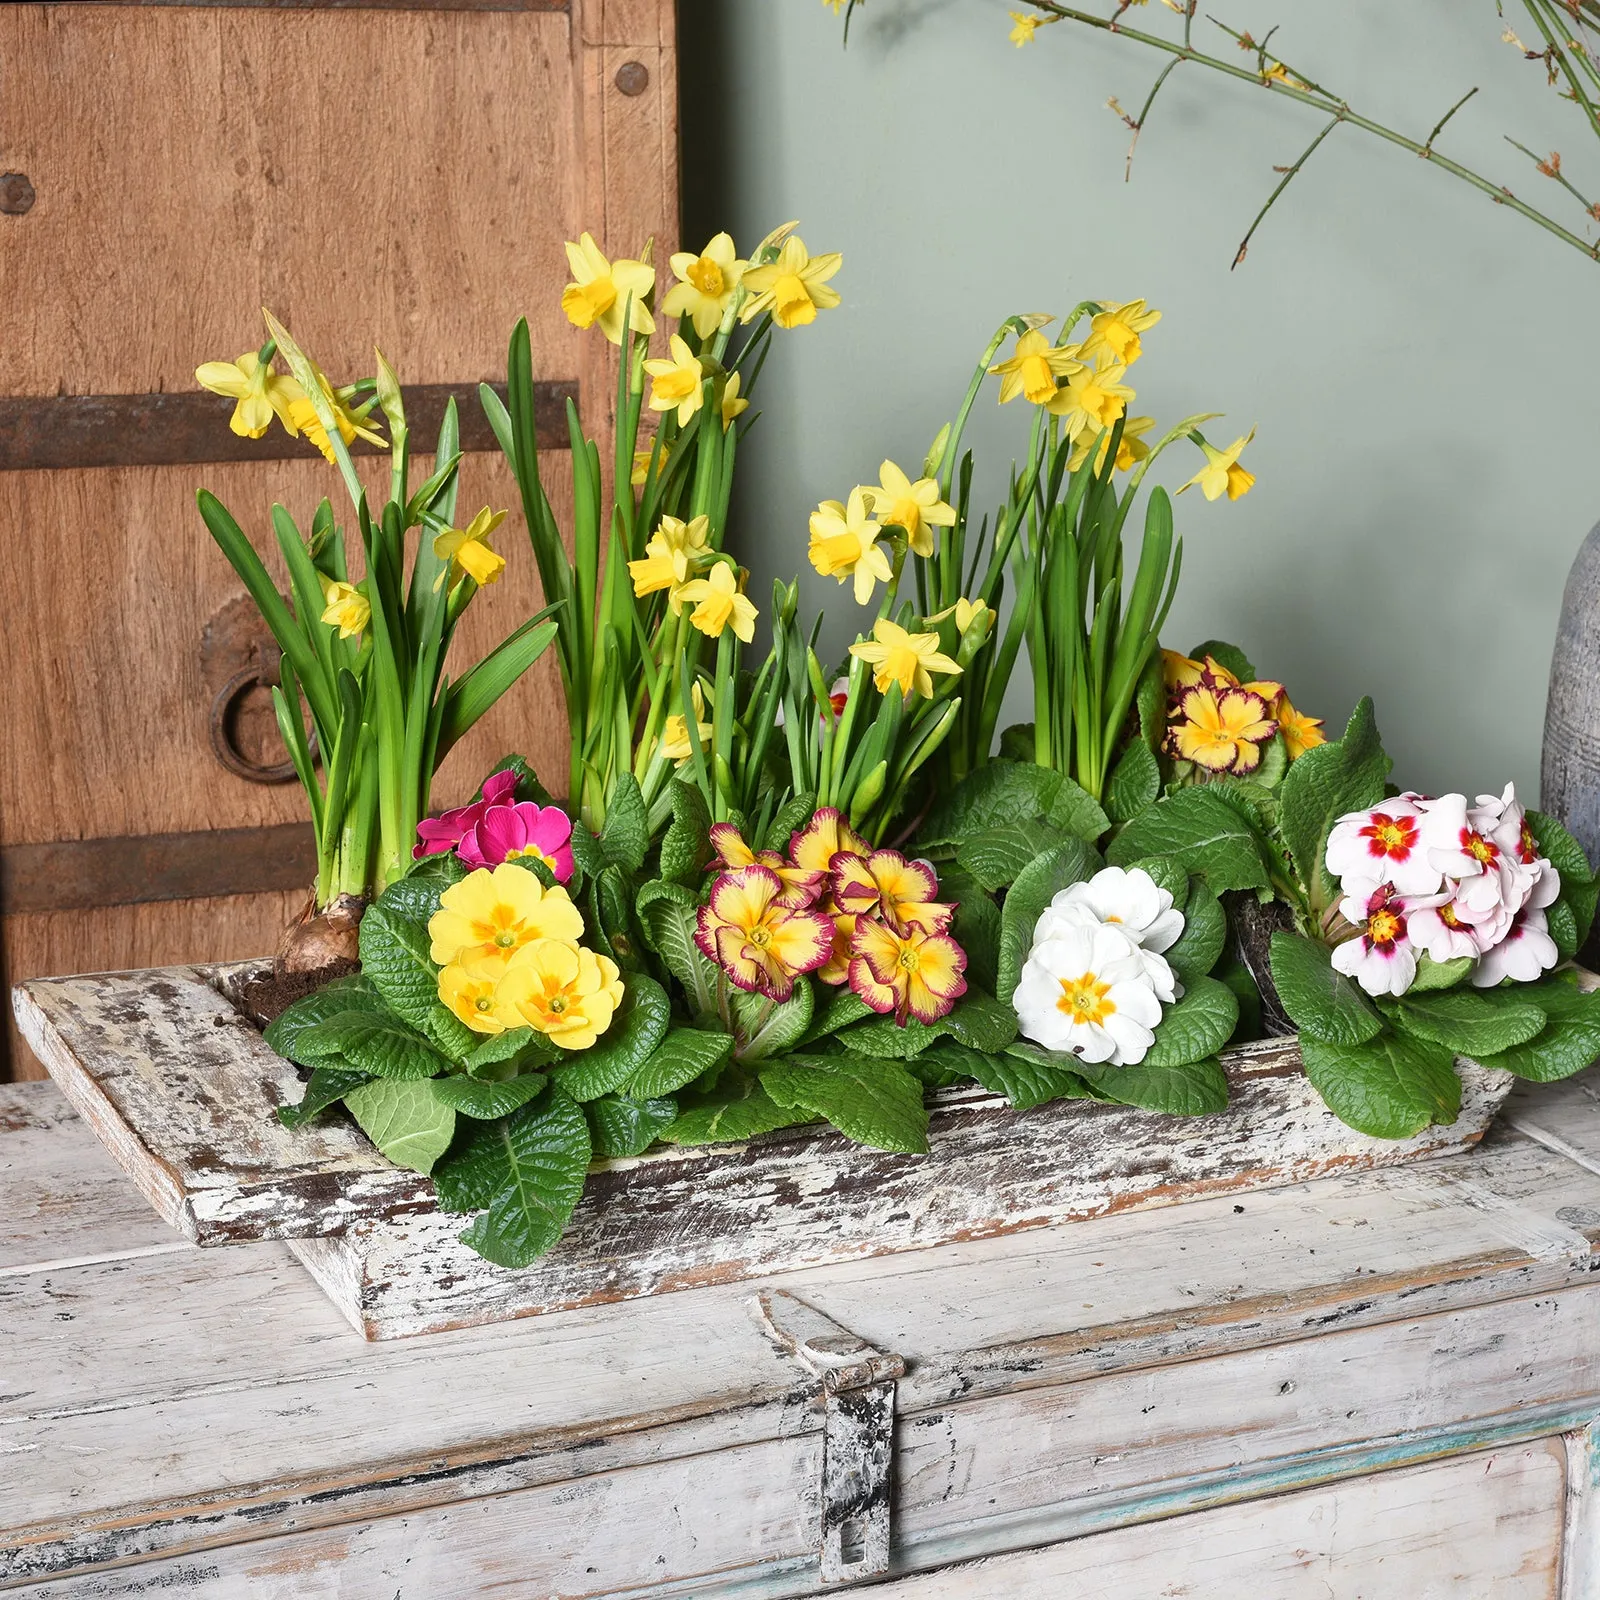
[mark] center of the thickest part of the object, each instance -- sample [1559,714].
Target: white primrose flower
[1087,990]
[1383,845]
[1381,958]
[1525,952]
[1131,901]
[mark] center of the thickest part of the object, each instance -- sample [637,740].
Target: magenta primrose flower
[521,832]
[435,835]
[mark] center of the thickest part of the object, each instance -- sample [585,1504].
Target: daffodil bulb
[1131,901]
[1087,990]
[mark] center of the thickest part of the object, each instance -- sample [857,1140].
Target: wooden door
[376,171]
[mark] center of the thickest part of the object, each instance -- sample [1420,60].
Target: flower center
[482,1003]
[909,961]
[761,937]
[1478,847]
[505,940]
[1384,927]
[558,1004]
[791,301]
[1085,999]
[1391,836]
[1447,915]
[1530,846]
[706,276]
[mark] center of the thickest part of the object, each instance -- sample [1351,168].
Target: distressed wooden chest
[1380,1385]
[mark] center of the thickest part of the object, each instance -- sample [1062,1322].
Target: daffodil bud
[934,459]
[388,384]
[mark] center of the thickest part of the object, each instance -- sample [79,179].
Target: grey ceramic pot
[1569,773]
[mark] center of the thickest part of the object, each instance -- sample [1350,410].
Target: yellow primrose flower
[1093,398]
[1300,732]
[718,604]
[1131,448]
[706,284]
[732,403]
[844,543]
[261,392]
[565,992]
[302,418]
[675,744]
[793,288]
[468,550]
[468,989]
[1222,473]
[897,502]
[601,291]
[677,382]
[903,658]
[1117,329]
[1025,28]
[494,911]
[1034,366]
[345,608]
[667,558]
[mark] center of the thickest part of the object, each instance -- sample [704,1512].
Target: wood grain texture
[1485,1526]
[559,1451]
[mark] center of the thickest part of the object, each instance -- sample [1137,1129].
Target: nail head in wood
[633,77]
[16,191]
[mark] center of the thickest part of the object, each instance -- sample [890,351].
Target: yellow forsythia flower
[468,550]
[345,608]
[793,288]
[844,544]
[677,382]
[706,284]
[1222,473]
[897,502]
[602,291]
[718,604]
[261,392]
[903,658]
[1025,28]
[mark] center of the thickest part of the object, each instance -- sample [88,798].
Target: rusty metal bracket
[858,1392]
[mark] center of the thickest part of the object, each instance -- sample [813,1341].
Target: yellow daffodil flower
[641,467]
[844,543]
[1033,367]
[494,911]
[675,744]
[793,288]
[1116,329]
[1023,29]
[468,989]
[468,550]
[897,502]
[601,291]
[565,992]
[732,403]
[673,549]
[345,608]
[706,284]
[262,393]
[1092,398]
[966,612]
[1300,732]
[1222,474]
[677,382]
[1131,448]
[718,604]
[302,418]
[903,658]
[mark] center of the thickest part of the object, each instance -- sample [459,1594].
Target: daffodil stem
[1321,100]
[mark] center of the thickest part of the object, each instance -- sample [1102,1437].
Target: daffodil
[917,508]
[844,544]
[468,550]
[1023,28]
[1092,398]
[1131,448]
[345,608]
[1222,473]
[561,990]
[641,467]
[793,288]
[1034,366]
[762,944]
[468,988]
[603,291]
[1116,328]
[967,613]
[719,603]
[732,403]
[706,284]
[494,911]
[261,392]
[673,549]
[677,382]
[903,658]
[675,744]
[352,420]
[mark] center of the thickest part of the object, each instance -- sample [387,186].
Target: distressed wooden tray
[181,1088]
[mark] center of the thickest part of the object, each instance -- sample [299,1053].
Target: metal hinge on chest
[857,1432]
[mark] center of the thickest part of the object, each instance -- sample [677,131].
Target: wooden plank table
[1367,1386]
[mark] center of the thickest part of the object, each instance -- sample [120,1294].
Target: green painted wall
[1422,365]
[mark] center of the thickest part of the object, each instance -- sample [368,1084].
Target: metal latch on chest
[857,1431]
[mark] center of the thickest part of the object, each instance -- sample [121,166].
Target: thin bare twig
[1283,183]
[1438,127]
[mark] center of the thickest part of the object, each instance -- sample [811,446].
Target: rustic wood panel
[425,221]
[42,432]
[1481,1526]
[566,1443]
[361,5]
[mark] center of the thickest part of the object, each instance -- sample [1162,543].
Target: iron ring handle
[222,743]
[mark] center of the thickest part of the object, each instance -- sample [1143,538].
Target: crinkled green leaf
[1192,1089]
[1077,813]
[838,1009]
[684,1055]
[407,1121]
[1433,974]
[883,1036]
[1323,1004]
[1203,831]
[1228,656]
[621,1126]
[372,1042]
[686,845]
[1471,1022]
[1568,1043]
[1028,1075]
[1204,937]
[740,1116]
[874,1102]
[976,926]
[668,912]
[516,1047]
[343,994]
[1166,873]
[625,838]
[788,820]
[767,1028]
[639,1026]
[394,955]
[473,1097]
[982,1022]
[326,1086]
[1135,783]
[1392,1087]
[994,857]
[1193,1027]
[997,793]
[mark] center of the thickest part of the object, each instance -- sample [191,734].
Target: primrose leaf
[1322,1003]
[1204,832]
[684,1055]
[1391,1087]
[637,1028]
[874,1102]
[380,1045]
[621,1126]
[407,1121]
